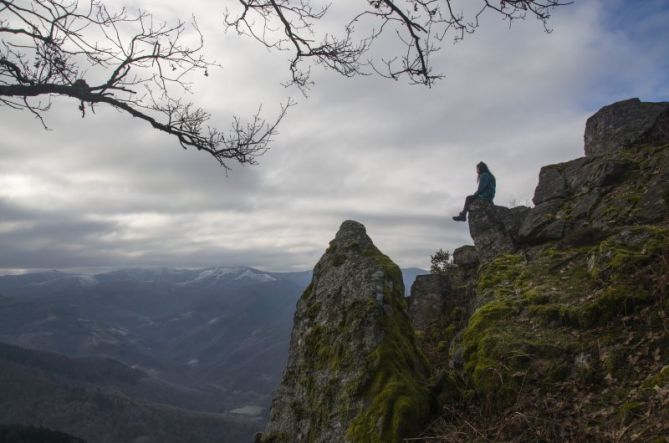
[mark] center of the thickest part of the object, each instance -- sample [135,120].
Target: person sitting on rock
[485,191]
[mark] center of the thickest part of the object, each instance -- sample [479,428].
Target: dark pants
[468,202]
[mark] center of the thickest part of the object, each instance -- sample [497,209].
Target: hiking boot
[460,217]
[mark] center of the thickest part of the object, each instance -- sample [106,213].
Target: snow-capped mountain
[212,276]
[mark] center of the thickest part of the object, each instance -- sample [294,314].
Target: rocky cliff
[562,333]
[354,372]
[552,327]
[623,180]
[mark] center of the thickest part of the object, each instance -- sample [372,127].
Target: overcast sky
[107,191]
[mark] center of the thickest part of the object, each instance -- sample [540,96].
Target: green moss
[613,302]
[630,410]
[486,347]
[322,352]
[324,348]
[449,387]
[534,296]
[457,314]
[500,356]
[558,323]
[391,271]
[616,364]
[661,379]
[313,310]
[397,394]
[502,350]
[398,408]
[449,332]
[633,199]
[555,314]
[484,317]
[503,270]
[583,302]
[619,255]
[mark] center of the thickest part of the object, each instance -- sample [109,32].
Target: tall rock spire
[354,372]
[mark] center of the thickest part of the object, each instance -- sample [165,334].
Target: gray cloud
[109,191]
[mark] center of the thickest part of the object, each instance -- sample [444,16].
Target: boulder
[580,195]
[494,228]
[466,257]
[442,303]
[653,205]
[542,223]
[513,219]
[427,299]
[466,262]
[567,197]
[584,205]
[624,124]
[552,184]
[563,180]
[354,371]
[598,172]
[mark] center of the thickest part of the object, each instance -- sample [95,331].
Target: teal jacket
[486,190]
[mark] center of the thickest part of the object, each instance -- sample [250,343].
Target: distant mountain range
[100,401]
[221,331]
[211,340]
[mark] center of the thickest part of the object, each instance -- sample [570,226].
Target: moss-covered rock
[561,336]
[532,311]
[354,372]
[567,338]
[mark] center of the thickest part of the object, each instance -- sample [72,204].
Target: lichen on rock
[354,372]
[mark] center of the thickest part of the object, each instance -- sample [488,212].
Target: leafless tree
[419,26]
[132,62]
[141,66]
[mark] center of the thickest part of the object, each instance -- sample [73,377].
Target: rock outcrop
[552,327]
[624,124]
[428,300]
[495,229]
[623,179]
[466,257]
[354,371]
[439,306]
[560,333]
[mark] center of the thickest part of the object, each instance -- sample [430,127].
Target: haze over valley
[208,341]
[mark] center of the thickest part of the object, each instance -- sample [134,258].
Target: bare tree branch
[418,25]
[131,62]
